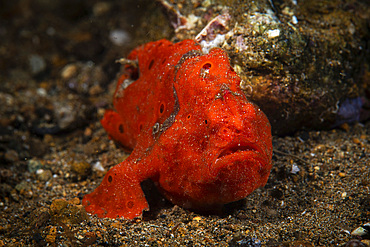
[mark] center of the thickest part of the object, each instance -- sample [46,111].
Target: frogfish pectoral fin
[119,195]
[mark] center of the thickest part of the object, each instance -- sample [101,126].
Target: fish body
[191,128]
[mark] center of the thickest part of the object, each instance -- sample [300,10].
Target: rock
[24,189]
[303,63]
[362,231]
[34,165]
[81,169]
[65,212]
[119,37]
[44,175]
[355,243]
[37,64]
[69,71]
[11,156]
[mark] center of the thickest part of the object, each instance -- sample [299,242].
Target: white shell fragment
[273,33]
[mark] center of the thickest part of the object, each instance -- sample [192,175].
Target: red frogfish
[192,130]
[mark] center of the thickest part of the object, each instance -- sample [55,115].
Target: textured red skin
[192,131]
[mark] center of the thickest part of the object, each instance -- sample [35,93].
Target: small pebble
[69,71]
[319,148]
[341,174]
[88,132]
[101,8]
[14,195]
[197,218]
[11,156]
[97,166]
[37,64]
[34,165]
[22,186]
[82,169]
[294,20]
[345,127]
[362,231]
[119,37]
[295,169]
[44,175]
[273,33]
[95,90]
[356,140]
